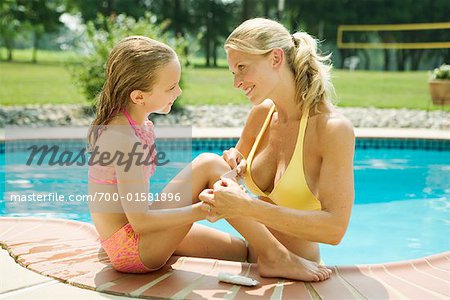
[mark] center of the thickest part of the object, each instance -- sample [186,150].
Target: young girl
[142,77]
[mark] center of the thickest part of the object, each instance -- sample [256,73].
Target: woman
[295,152]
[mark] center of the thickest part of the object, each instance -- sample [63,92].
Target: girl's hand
[207,196]
[235,160]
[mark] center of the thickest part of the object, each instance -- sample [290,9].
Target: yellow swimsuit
[291,190]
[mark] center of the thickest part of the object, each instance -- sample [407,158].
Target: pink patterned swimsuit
[122,247]
[107,174]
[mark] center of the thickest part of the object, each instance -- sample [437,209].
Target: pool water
[401,207]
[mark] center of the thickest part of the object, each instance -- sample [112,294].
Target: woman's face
[253,74]
[166,89]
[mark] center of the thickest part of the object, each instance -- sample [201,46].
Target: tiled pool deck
[70,252]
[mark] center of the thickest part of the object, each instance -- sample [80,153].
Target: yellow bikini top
[291,190]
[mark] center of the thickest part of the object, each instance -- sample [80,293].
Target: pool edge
[216,133]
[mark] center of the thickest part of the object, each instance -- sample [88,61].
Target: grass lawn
[27,83]
[382,89]
[43,56]
[49,82]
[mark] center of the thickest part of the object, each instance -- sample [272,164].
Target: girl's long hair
[133,64]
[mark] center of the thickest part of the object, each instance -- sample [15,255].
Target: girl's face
[166,89]
[253,74]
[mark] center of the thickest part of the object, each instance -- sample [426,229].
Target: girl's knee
[207,157]
[211,160]
[210,167]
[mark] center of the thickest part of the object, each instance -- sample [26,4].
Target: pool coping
[214,133]
[83,270]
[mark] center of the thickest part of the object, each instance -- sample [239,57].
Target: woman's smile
[248,90]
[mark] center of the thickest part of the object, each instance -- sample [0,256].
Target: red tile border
[440,262]
[425,267]
[368,286]
[70,251]
[92,280]
[408,273]
[333,288]
[403,287]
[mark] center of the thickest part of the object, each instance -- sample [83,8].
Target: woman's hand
[235,160]
[226,200]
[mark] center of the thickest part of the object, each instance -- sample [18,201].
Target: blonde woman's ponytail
[311,72]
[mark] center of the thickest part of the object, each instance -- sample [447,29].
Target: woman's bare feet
[292,266]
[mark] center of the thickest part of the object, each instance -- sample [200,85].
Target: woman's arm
[162,219]
[336,193]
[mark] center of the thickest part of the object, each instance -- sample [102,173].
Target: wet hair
[311,70]
[133,64]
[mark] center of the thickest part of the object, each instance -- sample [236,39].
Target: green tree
[215,20]
[40,16]
[9,25]
[90,9]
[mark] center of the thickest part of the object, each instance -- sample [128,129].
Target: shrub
[102,35]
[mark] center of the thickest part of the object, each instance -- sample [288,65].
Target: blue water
[401,210]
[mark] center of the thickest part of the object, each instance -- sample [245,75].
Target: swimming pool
[401,207]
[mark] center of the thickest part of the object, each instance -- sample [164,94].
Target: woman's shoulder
[332,118]
[332,126]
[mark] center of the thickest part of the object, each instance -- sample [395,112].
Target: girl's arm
[133,189]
